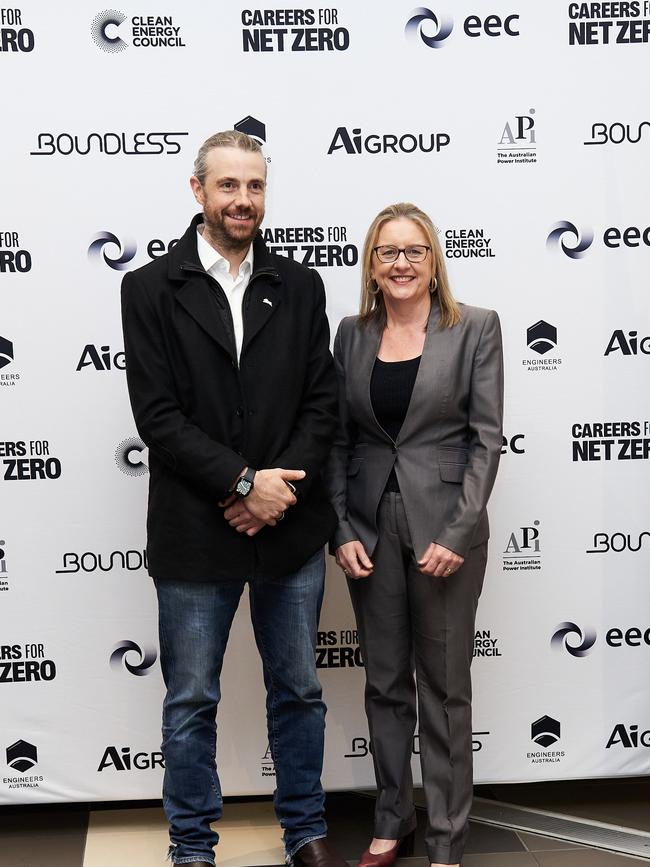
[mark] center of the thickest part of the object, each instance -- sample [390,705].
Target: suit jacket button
[394,450]
[240,412]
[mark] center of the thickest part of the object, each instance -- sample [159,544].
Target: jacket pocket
[354,466]
[452,461]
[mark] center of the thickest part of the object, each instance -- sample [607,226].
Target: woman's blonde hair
[372,307]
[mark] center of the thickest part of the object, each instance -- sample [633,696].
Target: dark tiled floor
[54,836]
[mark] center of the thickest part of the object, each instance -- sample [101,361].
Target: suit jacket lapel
[263,299]
[208,310]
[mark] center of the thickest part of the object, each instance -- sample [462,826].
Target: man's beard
[225,233]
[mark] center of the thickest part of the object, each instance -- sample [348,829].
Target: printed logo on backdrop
[574,243]
[541,338]
[618,543]
[115,253]
[28,460]
[118,254]
[514,444]
[113,31]
[570,637]
[433,29]
[137,144]
[522,552]
[13,258]
[253,128]
[14,36]
[610,441]
[361,747]
[23,663]
[270,30]
[135,659]
[22,757]
[131,457]
[127,759]
[546,733]
[267,765]
[628,736]
[626,23]
[7,380]
[627,343]
[102,358]
[468,244]
[90,561]
[338,649]
[4,571]
[354,141]
[617,133]
[518,141]
[582,642]
[315,246]
[485,644]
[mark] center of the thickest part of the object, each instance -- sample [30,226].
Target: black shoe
[318,854]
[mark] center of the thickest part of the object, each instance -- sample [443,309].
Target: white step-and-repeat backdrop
[521,128]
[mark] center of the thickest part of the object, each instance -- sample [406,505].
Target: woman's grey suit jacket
[447,452]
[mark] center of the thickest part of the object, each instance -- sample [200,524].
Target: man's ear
[197,189]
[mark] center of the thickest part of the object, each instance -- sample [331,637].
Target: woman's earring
[371,290]
[433,286]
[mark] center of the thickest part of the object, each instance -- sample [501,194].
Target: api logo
[414,27]
[586,640]
[541,337]
[557,237]
[125,252]
[253,128]
[145,658]
[129,457]
[6,352]
[545,731]
[21,756]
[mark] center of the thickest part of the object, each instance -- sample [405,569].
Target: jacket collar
[184,256]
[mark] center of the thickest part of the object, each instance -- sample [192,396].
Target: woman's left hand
[440,562]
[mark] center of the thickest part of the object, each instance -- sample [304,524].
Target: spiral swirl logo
[561,636]
[134,658]
[415,27]
[557,236]
[125,251]
[107,18]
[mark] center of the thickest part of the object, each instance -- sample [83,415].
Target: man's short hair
[230,138]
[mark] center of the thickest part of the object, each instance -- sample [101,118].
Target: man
[233,390]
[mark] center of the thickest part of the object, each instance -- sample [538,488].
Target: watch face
[244,487]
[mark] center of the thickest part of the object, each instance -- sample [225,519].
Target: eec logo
[473,26]
[561,639]
[414,27]
[562,228]
[146,658]
[126,252]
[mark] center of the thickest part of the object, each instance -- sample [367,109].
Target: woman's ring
[448,570]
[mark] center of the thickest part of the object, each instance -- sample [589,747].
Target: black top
[391,386]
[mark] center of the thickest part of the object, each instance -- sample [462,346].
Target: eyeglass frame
[400,250]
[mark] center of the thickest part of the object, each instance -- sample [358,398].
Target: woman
[421,395]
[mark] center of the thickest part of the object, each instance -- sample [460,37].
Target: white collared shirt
[219,268]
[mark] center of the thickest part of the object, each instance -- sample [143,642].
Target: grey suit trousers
[410,622]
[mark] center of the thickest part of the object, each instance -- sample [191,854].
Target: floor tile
[508,859]
[42,838]
[485,838]
[535,843]
[142,833]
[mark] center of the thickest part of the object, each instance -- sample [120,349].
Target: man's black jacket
[204,417]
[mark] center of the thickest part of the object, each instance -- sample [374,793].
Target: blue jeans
[194,623]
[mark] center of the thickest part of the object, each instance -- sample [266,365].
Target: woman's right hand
[354,561]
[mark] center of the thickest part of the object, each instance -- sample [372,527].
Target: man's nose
[243,197]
